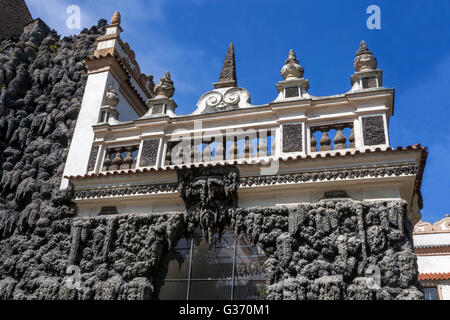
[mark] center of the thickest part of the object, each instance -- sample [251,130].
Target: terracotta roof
[434,276]
[262,161]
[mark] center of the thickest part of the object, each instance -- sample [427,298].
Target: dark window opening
[431,293]
[369,82]
[291,92]
[230,269]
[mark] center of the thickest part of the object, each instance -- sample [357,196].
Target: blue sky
[190,38]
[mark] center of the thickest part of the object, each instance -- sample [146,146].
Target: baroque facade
[300,198]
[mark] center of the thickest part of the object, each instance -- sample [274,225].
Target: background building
[432,247]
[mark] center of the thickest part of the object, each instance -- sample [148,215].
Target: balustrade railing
[332,137]
[237,146]
[120,158]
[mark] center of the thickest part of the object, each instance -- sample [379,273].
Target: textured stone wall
[42,79]
[14,15]
[315,251]
[334,249]
[105,258]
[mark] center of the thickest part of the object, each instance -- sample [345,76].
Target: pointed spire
[365,59]
[292,69]
[116,18]
[228,74]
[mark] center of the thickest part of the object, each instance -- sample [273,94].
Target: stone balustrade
[120,158]
[332,137]
[226,147]
[195,146]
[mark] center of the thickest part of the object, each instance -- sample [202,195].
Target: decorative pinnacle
[365,60]
[116,18]
[228,75]
[165,87]
[292,69]
[111,97]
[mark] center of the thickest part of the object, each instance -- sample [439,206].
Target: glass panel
[249,261]
[249,290]
[210,290]
[173,290]
[431,293]
[215,262]
[175,265]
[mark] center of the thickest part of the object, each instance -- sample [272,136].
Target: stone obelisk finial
[367,75]
[292,69]
[228,74]
[365,60]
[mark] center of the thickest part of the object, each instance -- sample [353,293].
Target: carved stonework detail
[291,92]
[331,249]
[228,75]
[437,227]
[373,130]
[125,191]
[210,195]
[369,82]
[292,137]
[165,87]
[365,60]
[330,175]
[116,18]
[93,158]
[149,152]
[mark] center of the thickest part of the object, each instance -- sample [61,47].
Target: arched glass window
[230,269]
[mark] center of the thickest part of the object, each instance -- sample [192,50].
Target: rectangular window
[229,269]
[291,92]
[369,83]
[431,293]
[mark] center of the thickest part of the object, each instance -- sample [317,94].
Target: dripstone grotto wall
[315,251]
[335,249]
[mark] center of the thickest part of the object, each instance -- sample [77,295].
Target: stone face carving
[149,152]
[210,196]
[292,137]
[165,87]
[292,69]
[373,130]
[228,74]
[365,60]
[93,158]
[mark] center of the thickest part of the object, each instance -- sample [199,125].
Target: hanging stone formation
[326,244]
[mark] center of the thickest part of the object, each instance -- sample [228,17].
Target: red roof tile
[434,276]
